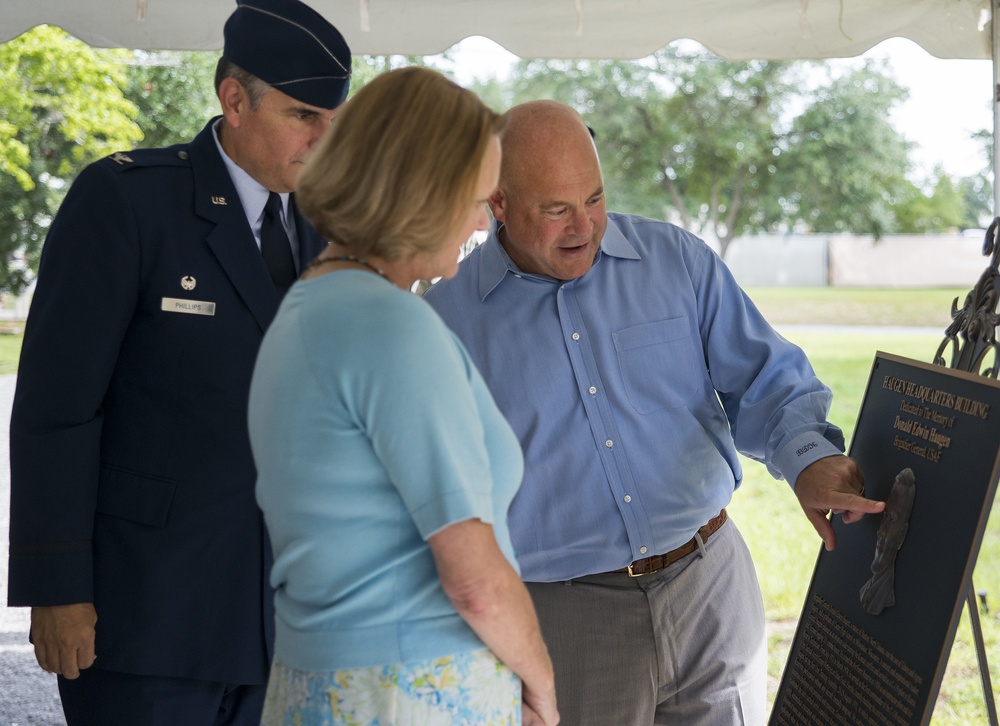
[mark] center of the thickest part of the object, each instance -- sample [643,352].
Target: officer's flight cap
[292,48]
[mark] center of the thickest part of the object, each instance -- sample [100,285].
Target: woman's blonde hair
[399,165]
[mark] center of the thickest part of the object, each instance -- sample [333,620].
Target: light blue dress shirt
[631,390]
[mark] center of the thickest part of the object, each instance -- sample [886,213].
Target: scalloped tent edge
[733,29]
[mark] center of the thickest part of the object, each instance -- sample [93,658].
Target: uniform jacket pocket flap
[135,497]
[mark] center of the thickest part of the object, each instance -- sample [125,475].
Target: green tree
[719,159]
[985,139]
[61,107]
[682,135]
[722,147]
[174,92]
[940,209]
[64,105]
[977,190]
[977,193]
[844,165]
[617,99]
[365,67]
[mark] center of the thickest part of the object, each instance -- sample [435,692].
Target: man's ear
[498,205]
[234,100]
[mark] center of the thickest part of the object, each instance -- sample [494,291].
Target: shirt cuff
[800,452]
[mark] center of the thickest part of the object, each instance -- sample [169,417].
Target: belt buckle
[641,574]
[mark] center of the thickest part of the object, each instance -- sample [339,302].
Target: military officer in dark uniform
[135,536]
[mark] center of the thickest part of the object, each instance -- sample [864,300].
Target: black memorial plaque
[933,434]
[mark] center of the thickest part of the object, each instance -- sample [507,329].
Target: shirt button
[183,155]
[609,443]
[576,336]
[592,390]
[627,499]
[642,550]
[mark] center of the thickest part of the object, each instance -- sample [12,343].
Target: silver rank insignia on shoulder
[188,282]
[120,158]
[219,200]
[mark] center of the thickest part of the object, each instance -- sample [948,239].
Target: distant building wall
[779,260]
[907,261]
[857,261]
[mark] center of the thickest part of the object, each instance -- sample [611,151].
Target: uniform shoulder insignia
[144,158]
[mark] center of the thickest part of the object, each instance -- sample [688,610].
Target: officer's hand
[835,484]
[64,637]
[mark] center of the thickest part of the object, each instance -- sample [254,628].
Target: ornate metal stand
[971,338]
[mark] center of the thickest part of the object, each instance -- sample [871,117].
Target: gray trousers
[685,645]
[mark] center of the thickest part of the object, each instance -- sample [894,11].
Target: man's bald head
[537,135]
[551,195]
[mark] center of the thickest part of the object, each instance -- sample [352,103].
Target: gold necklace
[348,258]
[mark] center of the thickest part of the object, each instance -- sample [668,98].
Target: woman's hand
[490,597]
[537,711]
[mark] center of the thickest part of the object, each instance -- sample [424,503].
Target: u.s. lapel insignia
[188,282]
[120,158]
[221,201]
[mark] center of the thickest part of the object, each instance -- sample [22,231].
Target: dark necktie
[275,247]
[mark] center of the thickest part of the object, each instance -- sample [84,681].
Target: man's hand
[833,484]
[64,637]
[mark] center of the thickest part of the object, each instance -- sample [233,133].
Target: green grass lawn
[10,350]
[928,308]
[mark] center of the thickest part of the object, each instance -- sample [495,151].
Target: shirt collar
[495,263]
[253,195]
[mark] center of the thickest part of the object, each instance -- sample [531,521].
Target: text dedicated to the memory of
[926,416]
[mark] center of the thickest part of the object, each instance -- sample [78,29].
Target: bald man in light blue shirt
[633,369]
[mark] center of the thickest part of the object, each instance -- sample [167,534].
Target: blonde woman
[385,469]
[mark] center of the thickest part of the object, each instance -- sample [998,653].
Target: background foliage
[62,105]
[729,148]
[721,148]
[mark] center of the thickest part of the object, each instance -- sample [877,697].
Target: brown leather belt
[649,565]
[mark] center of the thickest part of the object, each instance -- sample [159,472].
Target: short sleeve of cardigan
[409,388]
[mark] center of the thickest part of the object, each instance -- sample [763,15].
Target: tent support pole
[995,56]
[977,631]
[988,246]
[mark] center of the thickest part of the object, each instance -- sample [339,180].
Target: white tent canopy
[734,29]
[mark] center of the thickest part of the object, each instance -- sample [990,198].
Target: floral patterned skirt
[470,688]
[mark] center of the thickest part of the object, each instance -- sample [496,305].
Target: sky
[949,99]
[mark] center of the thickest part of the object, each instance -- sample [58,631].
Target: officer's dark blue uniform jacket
[132,481]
